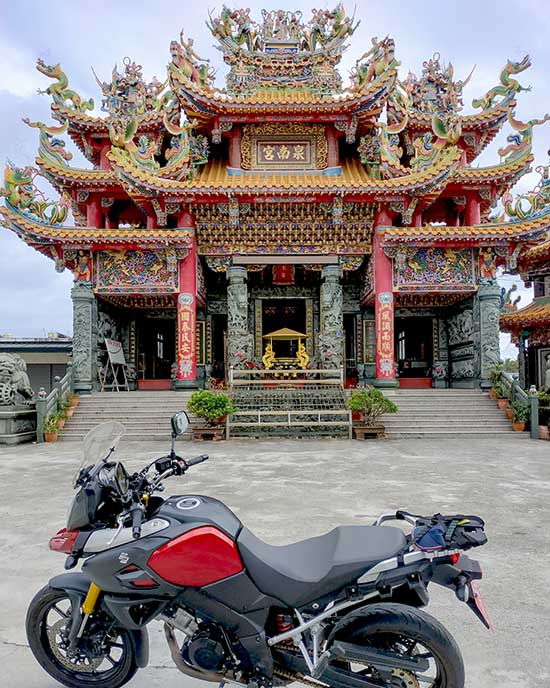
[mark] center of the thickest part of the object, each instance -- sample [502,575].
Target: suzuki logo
[123,557]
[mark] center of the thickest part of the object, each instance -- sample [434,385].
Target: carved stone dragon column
[84,337]
[489,308]
[240,342]
[331,337]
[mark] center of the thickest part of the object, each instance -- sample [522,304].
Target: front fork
[81,613]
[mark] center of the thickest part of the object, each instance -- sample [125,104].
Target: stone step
[445,432]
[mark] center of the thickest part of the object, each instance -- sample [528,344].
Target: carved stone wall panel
[138,272]
[433,269]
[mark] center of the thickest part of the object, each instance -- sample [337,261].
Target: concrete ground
[288,490]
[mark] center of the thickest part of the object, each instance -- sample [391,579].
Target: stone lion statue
[15,386]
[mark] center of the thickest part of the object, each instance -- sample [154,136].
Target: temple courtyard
[288,490]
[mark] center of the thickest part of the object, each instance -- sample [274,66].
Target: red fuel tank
[199,557]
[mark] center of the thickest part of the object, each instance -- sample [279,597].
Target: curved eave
[537,254]
[214,178]
[503,174]
[486,123]
[205,105]
[483,234]
[35,232]
[534,315]
[63,177]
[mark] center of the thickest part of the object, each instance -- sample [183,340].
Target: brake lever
[120,520]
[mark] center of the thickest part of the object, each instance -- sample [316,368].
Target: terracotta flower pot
[518,426]
[50,436]
[69,411]
[357,415]
[221,420]
[544,432]
[509,413]
[503,403]
[492,394]
[61,423]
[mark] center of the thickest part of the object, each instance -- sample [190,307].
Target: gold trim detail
[280,132]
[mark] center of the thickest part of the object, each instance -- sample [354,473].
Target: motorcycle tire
[51,658]
[381,625]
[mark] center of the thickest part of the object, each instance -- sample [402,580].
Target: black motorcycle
[339,610]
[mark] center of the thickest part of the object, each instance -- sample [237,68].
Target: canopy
[285,334]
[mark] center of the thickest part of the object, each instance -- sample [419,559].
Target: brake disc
[76,664]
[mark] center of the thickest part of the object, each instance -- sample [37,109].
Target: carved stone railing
[515,393]
[48,404]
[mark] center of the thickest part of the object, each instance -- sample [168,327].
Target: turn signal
[63,541]
[454,558]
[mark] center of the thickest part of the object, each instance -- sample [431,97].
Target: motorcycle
[341,610]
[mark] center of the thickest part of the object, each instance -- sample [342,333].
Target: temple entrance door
[350,348]
[156,344]
[414,351]
[219,345]
[280,313]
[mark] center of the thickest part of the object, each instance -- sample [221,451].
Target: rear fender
[76,585]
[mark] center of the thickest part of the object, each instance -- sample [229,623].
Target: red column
[104,163]
[151,221]
[94,216]
[187,313]
[472,216]
[235,148]
[332,147]
[383,287]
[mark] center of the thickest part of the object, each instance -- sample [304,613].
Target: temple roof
[533,315]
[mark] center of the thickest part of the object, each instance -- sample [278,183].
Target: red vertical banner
[187,318]
[384,336]
[384,304]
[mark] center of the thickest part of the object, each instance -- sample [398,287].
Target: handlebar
[137,511]
[196,460]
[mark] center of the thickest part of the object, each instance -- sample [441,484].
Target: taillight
[454,558]
[63,540]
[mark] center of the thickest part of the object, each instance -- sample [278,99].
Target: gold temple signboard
[284,146]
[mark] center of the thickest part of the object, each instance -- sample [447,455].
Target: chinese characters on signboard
[186,337]
[283,154]
[384,339]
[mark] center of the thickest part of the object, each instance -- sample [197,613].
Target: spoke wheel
[104,656]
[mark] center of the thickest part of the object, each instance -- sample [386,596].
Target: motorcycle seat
[304,571]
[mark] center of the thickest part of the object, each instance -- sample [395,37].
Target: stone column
[489,312]
[331,337]
[240,342]
[84,355]
[384,307]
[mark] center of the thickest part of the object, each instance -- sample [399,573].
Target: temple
[286,219]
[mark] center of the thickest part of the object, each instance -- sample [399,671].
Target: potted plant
[74,399]
[521,416]
[61,417]
[509,413]
[214,408]
[500,393]
[369,404]
[68,407]
[50,429]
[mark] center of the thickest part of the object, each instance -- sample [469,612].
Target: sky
[81,34]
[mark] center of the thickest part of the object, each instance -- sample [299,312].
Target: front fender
[78,584]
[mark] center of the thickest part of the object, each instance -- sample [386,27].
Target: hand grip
[137,517]
[196,460]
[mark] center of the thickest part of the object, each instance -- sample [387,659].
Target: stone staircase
[436,413]
[146,415]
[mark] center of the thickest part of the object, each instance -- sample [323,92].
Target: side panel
[199,557]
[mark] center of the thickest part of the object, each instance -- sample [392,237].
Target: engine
[206,649]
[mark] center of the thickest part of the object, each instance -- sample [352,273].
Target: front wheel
[409,633]
[105,656]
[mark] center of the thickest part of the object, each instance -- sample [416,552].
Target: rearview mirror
[180,422]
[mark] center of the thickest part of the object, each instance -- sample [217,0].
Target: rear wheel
[408,633]
[104,658]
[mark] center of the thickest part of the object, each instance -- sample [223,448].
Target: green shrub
[494,375]
[521,412]
[50,424]
[371,403]
[209,405]
[498,389]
